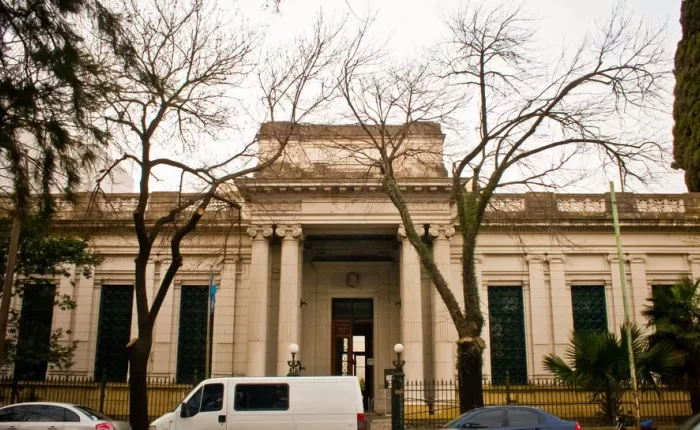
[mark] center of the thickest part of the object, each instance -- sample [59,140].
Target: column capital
[260,232]
[441,231]
[289,231]
[694,258]
[536,258]
[556,258]
[402,231]
[479,258]
[612,258]
[637,258]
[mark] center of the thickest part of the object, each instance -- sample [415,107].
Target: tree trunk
[471,393]
[139,351]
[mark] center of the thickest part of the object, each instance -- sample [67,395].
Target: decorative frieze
[507,204]
[581,205]
[660,205]
[119,205]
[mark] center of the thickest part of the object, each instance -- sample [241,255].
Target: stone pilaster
[259,296]
[86,313]
[640,289]
[540,313]
[63,319]
[562,312]
[484,306]
[290,295]
[616,309]
[411,309]
[444,332]
[224,313]
[694,265]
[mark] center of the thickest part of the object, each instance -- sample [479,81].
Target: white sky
[411,26]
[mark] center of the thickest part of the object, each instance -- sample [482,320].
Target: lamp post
[397,422]
[295,367]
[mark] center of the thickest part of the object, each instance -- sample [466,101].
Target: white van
[324,402]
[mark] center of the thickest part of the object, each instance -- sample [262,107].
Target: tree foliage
[598,361]
[674,314]
[686,129]
[42,259]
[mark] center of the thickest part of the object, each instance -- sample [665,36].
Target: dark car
[692,423]
[511,417]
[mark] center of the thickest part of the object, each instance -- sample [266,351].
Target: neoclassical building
[318,257]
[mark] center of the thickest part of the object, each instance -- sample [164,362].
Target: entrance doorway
[352,344]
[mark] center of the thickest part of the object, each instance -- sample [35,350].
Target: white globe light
[398,348]
[293,348]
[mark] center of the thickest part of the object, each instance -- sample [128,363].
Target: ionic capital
[441,232]
[402,231]
[260,232]
[613,259]
[694,258]
[637,258]
[535,258]
[556,258]
[289,232]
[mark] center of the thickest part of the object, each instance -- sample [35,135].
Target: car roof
[41,403]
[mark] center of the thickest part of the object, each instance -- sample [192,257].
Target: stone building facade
[318,257]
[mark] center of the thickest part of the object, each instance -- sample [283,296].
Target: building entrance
[352,343]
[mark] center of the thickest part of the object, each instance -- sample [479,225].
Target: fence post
[508,399]
[14,393]
[103,390]
[397,391]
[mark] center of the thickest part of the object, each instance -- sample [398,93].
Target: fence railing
[429,404]
[110,398]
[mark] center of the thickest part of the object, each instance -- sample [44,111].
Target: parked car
[265,403]
[510,417]
[54,416]
[692,423]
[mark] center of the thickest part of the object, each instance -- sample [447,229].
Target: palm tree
[674,313]
[598,362]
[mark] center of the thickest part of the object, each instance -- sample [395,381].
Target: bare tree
[538,126]
[177,94]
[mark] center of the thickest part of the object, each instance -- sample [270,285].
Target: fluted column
[562,311]
[290,295]
[259,296]
[540,313]
[411,308]
[222,348]
[444,332]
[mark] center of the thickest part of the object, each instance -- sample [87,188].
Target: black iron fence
[111,398]
[430,404]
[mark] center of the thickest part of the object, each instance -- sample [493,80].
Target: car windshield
[92,414]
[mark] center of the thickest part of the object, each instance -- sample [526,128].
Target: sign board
[388,373]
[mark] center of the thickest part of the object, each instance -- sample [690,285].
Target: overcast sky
[411,26]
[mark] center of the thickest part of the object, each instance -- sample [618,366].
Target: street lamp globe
[293,348]
[398,348]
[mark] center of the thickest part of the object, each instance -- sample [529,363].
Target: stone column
[260,286]
[484,306]
[290,295]
[444,332]
[616,307]
[86,318]
[224,312]
[411,309]
[562,311]
[540,313]
[694,265]
[640,289]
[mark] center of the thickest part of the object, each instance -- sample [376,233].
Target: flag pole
[623,286]
[207,363]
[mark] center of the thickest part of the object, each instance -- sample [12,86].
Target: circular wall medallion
[352,280]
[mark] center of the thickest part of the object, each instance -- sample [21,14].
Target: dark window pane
[507,330]
[342,309]
[193,403]
[45,413]
[589,309]
[213,398]
[659,289]
[93,414]
[192,334]
[352,309]
[34,340]
[492,418]
[261,397]
[362,310]
[114,332]
[11,415]
[522,418]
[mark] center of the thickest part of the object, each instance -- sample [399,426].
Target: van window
[261,397]
[213,398]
